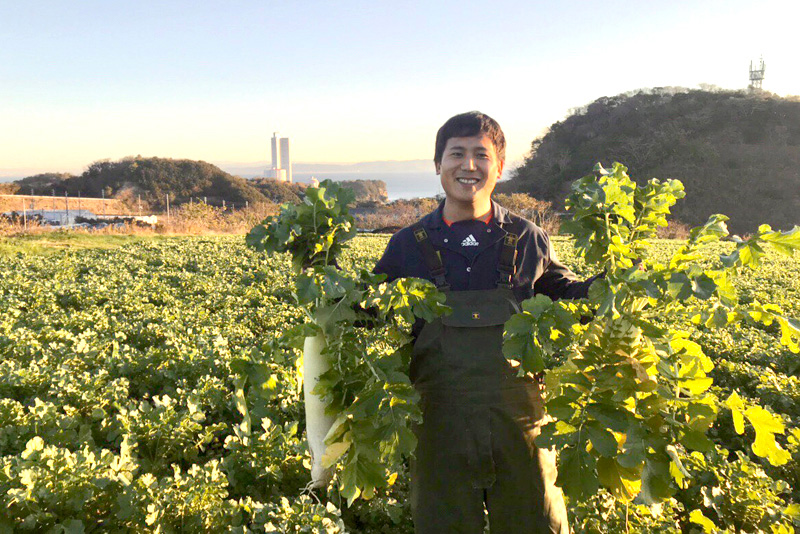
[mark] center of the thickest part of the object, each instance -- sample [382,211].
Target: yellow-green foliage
[147,374]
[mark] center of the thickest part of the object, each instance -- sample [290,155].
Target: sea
[398,184]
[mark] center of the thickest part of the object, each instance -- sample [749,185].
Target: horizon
[348,84]
[412,165]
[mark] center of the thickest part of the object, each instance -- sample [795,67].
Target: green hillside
[150,178]
[153,179]
[736,153]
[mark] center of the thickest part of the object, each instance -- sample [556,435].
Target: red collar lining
[486,219]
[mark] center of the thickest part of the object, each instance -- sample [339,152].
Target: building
[69,218]
[281,160]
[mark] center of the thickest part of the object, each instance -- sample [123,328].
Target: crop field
[132,378]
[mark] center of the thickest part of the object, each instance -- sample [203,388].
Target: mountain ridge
[736,152]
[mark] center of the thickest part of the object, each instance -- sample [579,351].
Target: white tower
[286,160]
[281,161]
[276,152]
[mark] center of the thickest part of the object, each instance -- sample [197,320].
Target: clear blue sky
[348,81]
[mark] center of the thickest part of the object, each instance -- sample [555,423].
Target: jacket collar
[435,220]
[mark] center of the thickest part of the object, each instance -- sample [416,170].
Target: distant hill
[151,179]
[280,192]
[736,153]
[367,190]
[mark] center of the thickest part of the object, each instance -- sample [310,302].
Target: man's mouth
[467,181]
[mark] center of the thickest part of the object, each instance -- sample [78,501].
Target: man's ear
[500,170]
[438,168]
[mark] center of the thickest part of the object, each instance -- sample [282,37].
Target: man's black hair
[470,124]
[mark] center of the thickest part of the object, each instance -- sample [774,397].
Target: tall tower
[286,160]
[276,152]
[756,75]
[281,161]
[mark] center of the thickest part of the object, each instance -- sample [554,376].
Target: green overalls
[479,419]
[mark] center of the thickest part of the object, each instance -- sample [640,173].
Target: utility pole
[66,203]
[140,205]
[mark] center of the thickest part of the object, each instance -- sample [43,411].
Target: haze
[348,81]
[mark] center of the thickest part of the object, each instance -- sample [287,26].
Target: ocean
[398,184]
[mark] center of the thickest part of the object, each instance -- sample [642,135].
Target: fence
[98,206]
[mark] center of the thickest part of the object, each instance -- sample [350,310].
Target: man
[476,444]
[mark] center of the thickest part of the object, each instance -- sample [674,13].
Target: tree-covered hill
[736,153]
[152,179]
[367,190]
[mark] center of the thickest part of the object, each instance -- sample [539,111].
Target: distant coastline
[398,184]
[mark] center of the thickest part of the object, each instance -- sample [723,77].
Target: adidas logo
[469,241]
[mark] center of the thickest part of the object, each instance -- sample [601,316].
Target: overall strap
[432,257]
[507,266]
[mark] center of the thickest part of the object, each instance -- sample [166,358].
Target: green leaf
[72,526]
[556,434]
[730,260]
[635,447]
[335,285]
[703,287]
[713,229]
[784,242]
[333,452]
[790,333]
[561,408]
[519,323]
[610,416]
[602,295]
[696,516]
[621,482]
[602,440]
[256,236]
[537,305]
[793,511]
[702,414]
[360,476]
[655,481]
[306,288]
[577,476]
[736,406]
[696,441]
[766,426]
[679,287]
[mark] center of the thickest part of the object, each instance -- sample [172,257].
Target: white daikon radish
[317,423]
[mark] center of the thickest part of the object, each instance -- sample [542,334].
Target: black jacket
[537,268]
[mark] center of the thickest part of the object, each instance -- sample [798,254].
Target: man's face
[469,169]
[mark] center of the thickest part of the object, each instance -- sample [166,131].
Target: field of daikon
[139,393]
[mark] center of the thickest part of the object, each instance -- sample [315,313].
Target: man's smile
[468,181]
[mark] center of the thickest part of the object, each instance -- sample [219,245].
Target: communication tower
[756,75]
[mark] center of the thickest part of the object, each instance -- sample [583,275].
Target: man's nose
[469,164]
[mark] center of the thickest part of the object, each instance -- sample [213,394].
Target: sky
[348,81]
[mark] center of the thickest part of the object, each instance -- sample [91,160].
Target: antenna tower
[756,75]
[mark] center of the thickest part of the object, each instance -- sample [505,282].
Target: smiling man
[476,450]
